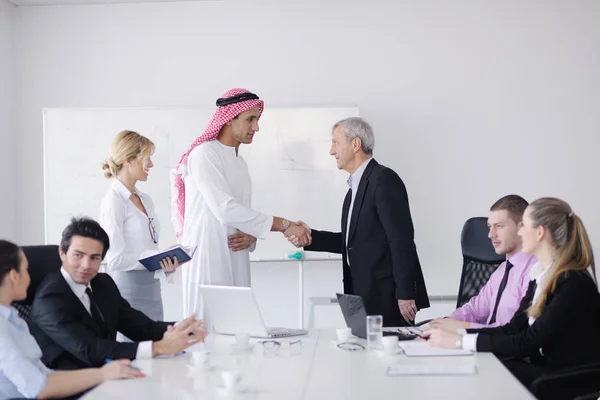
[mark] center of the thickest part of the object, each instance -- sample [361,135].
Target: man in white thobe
[212,201]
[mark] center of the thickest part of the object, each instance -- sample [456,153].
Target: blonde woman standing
[127,215]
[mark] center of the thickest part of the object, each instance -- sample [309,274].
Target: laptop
[234,310]
[355,314]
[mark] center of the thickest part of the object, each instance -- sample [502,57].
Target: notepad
[420,348]
[183,254]
[432,369]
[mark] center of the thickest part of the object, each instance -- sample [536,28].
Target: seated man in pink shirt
[499,298]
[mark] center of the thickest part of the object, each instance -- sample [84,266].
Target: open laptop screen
[354,313]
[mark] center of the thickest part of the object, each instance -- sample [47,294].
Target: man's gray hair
[357,127]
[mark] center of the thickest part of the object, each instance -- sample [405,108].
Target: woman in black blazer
[558,322]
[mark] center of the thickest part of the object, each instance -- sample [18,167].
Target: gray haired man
[377,237]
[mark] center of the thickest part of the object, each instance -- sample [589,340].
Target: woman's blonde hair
[127,145]
[573,247]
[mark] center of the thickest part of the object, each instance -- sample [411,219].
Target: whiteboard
[292,173]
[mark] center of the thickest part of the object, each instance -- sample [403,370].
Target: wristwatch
[285,224]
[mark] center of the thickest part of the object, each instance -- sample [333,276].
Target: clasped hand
[299,234]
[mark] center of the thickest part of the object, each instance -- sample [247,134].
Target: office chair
[42,260]
[569,383]
[581,382]
[479,259]
[589,396]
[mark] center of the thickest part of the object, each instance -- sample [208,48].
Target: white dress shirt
[128,228]
[538,273]
[144,350]
[22,373]
[353,182]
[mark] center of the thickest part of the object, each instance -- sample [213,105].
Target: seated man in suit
[77,311]
[499,298]
[380,261]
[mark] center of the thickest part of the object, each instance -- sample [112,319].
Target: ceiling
[66,2]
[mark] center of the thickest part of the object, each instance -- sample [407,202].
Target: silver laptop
[234,310]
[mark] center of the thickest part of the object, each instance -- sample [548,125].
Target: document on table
[432,369]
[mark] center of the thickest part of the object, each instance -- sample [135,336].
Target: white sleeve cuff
[35,385]
[469,341]
[266,228]
[253,245]
[461,331]
[32,381]
[144,350]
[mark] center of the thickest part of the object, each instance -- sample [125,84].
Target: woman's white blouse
[128,228]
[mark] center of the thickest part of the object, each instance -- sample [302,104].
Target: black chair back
[589,396]
[42,260]
[569,383]
[479,259]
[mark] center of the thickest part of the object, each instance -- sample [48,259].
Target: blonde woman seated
[128,217]
[558,322]
[22,373]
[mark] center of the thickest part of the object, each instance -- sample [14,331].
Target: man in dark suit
[77,311]
[377,240]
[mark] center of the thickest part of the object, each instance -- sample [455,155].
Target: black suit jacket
[68,335]
[567,331]
[384,265]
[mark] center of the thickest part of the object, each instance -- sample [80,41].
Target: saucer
[351,339]
[383,353]
[224,392]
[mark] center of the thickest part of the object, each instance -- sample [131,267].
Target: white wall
[463,76]
[8,137]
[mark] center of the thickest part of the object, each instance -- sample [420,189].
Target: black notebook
[183,254]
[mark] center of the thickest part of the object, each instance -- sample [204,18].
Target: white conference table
[316,369]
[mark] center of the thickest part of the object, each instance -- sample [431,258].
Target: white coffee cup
[390,344]
[231,379]
[343,334]
[242,341]
[199,358]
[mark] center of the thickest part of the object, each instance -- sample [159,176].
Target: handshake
[299,234]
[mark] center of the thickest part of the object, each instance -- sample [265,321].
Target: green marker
[297,255]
